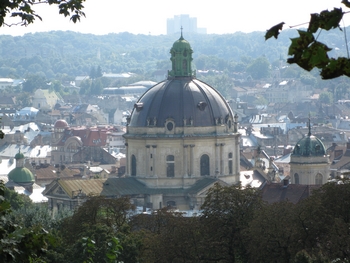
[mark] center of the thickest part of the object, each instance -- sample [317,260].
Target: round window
[170,126]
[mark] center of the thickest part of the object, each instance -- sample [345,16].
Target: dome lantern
[181,59]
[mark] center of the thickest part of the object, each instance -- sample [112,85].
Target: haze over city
[149,17]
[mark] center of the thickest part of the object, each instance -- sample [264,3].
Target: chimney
[285,182]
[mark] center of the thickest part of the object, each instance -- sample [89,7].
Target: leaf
[336,68]
[346,3]
[325,20]
[308,53]
[317,54]
[274,31]
[300,43]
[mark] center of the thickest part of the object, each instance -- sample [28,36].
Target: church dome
[310,145]
[60,124]
[184,100]
[181,99]
[19,156]
[180,45]
[21,175]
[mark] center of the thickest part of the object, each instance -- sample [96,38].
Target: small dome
[181,44]
[19,156]
[61,124]
[21,175]
[309,146]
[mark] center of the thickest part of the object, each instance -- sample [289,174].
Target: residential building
[45,99]
[80,144]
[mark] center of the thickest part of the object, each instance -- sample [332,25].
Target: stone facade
[182,137]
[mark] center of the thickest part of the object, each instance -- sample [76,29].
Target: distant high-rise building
[187,23]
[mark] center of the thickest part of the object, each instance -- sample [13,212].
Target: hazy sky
[150,16]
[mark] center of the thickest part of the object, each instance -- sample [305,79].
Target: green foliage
[95,72]
[231,208]
[19,244]
[23,99]
[221,81]
[274,31]
[105,222]
[24,10]
[61,54]
[34,82]
[308,53]
[88,249]
[17,201]
[260,68]
[307,79]
[326,97]
[271,234]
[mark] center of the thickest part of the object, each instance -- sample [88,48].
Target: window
[296,178]
[230,164]
[171,204]
[204,165]
[170,126]
[319,179]
[170,166]
[133,165]
[184,65]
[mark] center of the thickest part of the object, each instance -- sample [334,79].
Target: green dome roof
[309,146]
[181,44]
[19,156]
[21,175]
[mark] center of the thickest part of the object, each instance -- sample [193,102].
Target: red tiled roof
[61,124]
[89,136]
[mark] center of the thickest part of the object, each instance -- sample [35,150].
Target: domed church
[309,163]
[181,137]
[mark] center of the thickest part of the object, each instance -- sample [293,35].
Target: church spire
[182,38]
[181,58]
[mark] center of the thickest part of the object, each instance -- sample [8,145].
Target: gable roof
[114,187]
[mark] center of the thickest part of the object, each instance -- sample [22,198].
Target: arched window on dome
[319,179]
[170,166]
[133,165]
[230,163]
[204,165]
[296,178]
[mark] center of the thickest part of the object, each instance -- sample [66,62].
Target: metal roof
[128,186]
[182,98]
